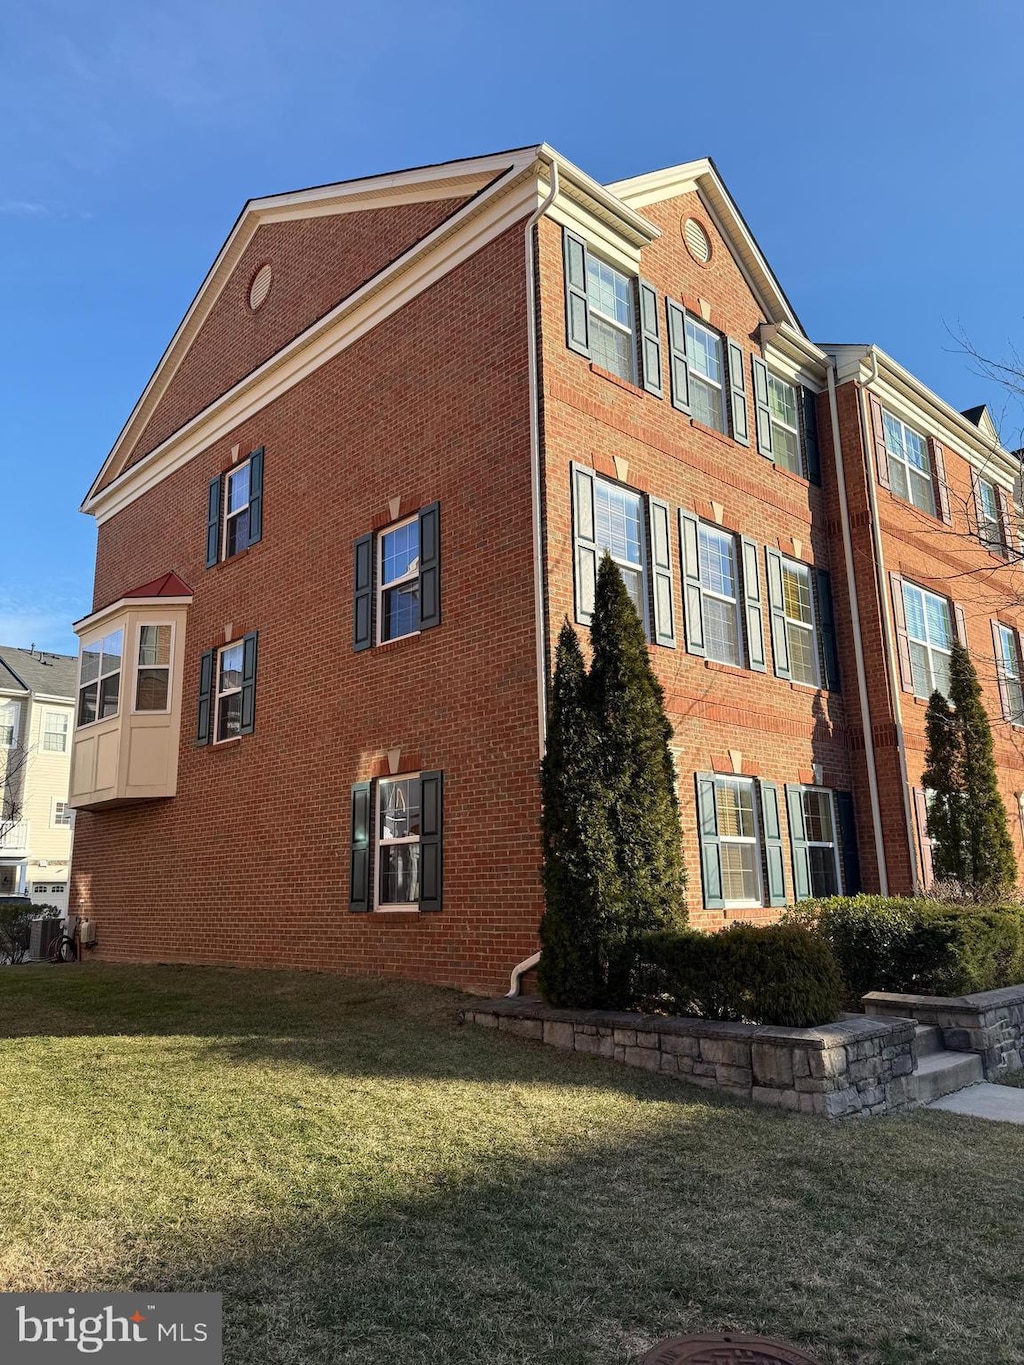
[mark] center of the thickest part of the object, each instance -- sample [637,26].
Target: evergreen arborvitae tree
[966,816]
[581,885]
[626,702]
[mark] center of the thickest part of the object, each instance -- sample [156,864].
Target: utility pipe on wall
[858,644]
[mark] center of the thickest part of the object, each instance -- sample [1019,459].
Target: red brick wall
[317,262]
[780,728]
[249,863]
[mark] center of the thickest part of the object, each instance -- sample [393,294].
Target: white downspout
[540,625]
[858,644]
[895,686]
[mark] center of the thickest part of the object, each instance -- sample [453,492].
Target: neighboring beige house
[37,692]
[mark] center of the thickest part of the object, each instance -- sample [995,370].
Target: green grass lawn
[364,1180]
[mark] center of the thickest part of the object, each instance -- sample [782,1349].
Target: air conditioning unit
[41,935]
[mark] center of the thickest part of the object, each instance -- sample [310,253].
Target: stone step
[941,1073]
[927,1040]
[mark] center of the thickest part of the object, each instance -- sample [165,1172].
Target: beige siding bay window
[128,710]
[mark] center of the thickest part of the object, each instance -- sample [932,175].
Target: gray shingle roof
[37,671]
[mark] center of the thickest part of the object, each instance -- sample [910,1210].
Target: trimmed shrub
[918,946]
[781,974]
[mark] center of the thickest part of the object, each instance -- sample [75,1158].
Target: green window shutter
[661,572]
[938,461]
[826,629]
[205,697]
[362,626]
[1005,501]
[737,392]
[430,566]
[899,621]
[584,541]
[650,338]
[924,841]
[798,843]
[960,624]
[431,831]
[710,848]
[771,833]
[577,314]
[762,410]
[780,641]
[752,610]
[256,496]
[679,366]
[689,539]
[848,843]
[249,650]
[359,865]
[213,521]
[812,454]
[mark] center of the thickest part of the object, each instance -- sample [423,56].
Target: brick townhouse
[375,469]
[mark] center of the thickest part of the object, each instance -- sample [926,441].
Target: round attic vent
[697,241]
[260,287]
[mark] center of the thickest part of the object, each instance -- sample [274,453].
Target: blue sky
[875,151]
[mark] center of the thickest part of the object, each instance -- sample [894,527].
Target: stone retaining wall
[990,1023]
[856,1066]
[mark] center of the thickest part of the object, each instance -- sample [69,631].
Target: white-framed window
[99,684]
[739,841]
[398,842]
[612,326]
[229,691]
[237,486]
[619,521]
[910,469]
[153,668]
[822,844]
[720,595]
[801,635]
[990,525]
[930,634]
[783,405]
[398,570]
[10,713]
[55,732]
[1009,667]
[62,815]
[707,389]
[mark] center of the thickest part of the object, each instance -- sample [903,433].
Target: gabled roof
[703,177]
[982,419]
[37,671]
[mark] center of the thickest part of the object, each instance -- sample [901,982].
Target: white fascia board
[245,227]
[124,604]
[804,361]
[908,398]
[604,202]
[639,191]
[451,243]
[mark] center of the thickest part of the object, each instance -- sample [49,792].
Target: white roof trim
[124,604]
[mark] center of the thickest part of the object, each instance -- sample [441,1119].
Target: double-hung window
[930,637]
[618,517]
[9,711]
[785,423]
[234,516]
[612,335]
[227,691]
[738,841]
[1008,671]
[397,580]
[153,672]
[990,524]
[55,732]
[910,470]
[821,842]
[720,596]
[398,606]
[707,387]
[99,683]
[801,638]
[396,840]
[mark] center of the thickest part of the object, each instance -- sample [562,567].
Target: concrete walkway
[1004,1103]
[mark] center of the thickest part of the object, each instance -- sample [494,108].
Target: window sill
[385,646]
[618,381]
[801,479]
[224,561]
[716,667]
[222,745]
[713,431]
[413,911]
